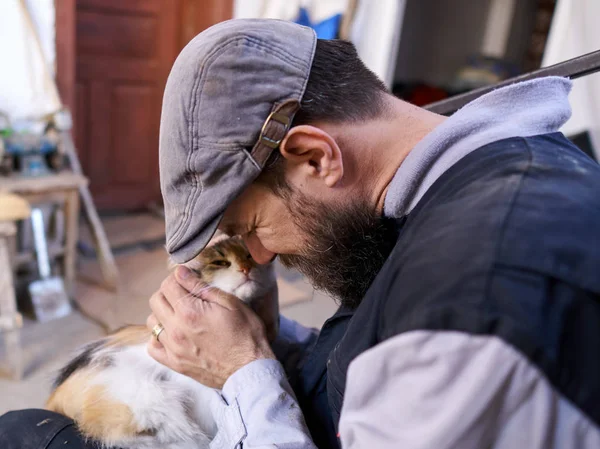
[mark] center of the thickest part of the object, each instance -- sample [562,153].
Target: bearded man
[464,251]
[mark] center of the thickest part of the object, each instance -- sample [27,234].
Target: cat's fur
[118,395]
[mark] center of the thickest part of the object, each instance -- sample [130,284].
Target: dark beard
[347,246]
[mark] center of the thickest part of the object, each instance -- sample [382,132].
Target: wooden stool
[12,208]
[61,188]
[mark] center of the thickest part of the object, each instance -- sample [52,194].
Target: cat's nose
[245,270]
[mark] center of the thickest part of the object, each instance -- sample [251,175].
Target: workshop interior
[81,216]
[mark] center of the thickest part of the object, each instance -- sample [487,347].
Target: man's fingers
[158,352]
[192,282]
[163,342]
[189,280]
[161,309]
[151,321]
[160,349]
[176,292]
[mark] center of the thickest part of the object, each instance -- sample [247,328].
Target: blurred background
[81,82]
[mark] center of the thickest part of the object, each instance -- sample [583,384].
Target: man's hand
[208,334]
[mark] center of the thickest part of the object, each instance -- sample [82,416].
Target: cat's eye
[221,263]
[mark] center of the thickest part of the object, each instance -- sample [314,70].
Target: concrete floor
[47,346]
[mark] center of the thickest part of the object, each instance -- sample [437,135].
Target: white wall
[375,31]
[575,31]
[27,89]
[376,34]
[43,16]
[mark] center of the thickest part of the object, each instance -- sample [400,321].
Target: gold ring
[156,330]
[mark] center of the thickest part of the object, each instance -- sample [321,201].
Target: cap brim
[195,246]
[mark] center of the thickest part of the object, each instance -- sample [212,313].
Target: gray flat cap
[234,87]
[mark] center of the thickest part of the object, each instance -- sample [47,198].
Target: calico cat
[121,397]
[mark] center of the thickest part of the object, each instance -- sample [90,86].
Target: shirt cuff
[259,410]
[231,430]
[258,373]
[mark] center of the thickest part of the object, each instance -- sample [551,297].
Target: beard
[345,246]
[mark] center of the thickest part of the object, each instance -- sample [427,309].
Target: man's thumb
[189,280]
[194,284]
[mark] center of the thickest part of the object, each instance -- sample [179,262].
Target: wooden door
[123,52]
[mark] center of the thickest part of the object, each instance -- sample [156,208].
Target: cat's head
[227,265]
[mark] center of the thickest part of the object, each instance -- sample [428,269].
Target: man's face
[339,247]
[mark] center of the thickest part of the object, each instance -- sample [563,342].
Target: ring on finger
[156,330]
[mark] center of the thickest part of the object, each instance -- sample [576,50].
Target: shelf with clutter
[35,169]
[39,164]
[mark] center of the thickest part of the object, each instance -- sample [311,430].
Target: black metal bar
[573,68]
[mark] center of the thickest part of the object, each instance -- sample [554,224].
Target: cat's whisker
[183,298]
[196,292]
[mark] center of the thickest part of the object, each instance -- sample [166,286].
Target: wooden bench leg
[71,236]
[14,353]
[10,319]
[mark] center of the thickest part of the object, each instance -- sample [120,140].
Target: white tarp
[375,31]
[574,32]
[27,87]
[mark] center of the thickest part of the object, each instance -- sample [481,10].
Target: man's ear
[314,153]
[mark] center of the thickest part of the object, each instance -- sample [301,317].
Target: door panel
[124,51]
[81,120]
[134,124]
[113,34]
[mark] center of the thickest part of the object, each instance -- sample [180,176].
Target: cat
[121,397]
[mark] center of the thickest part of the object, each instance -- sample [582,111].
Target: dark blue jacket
[505,243]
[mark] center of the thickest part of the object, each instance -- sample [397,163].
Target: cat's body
[120,396]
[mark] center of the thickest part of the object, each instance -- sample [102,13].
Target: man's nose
[259,253]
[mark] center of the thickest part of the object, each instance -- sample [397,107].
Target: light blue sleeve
[293,331]
[260,411]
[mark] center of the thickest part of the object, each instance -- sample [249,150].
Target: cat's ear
[195,263]
[171,265]
[218,237]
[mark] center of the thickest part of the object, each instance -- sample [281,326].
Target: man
[464,252]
